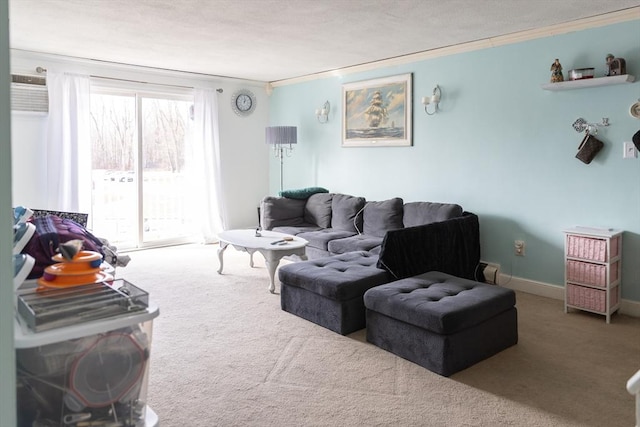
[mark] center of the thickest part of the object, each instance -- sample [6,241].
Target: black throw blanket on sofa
[451,246]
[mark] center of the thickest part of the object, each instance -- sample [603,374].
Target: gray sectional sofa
[338,223]
[402,270]
[355,245]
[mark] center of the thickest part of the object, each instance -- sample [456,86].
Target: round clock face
[635,110]
[243,102]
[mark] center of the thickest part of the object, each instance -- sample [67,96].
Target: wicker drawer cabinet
[593,267]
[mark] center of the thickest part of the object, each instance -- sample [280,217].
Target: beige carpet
[225,354]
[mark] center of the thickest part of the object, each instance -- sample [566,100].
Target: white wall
[242,149]
[28,131]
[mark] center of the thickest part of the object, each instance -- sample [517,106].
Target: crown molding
[25,62]
[519,37]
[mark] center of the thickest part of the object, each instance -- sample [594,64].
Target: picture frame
[378,112]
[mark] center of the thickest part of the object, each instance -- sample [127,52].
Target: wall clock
[243,102]
[635,110]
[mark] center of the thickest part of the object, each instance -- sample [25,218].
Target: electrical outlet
[519,247]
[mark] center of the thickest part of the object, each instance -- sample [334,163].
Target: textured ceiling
[271,40]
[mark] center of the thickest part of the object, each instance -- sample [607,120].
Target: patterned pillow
[80,218]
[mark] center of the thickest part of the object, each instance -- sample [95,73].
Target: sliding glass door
[139,148]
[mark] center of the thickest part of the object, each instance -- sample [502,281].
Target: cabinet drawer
[591,248]
[591,274]
[590,298]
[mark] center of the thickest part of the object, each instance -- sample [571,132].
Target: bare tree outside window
[112,132]
[160,140]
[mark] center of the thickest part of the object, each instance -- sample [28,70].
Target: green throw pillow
[303,193]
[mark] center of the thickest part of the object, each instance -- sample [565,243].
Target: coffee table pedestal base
[272,258]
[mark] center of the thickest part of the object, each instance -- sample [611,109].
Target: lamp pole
[281,155]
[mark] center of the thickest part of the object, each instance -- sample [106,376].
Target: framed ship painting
[377,113]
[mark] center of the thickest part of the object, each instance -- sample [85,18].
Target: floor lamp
[282,138]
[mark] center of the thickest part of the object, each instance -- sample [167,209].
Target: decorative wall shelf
[598,81]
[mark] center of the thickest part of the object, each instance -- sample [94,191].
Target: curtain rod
[41,70]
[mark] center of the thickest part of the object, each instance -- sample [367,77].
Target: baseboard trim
[628,307]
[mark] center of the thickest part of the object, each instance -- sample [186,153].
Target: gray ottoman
[441,322]
[328,291]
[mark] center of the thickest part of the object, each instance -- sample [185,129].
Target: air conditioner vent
[29,93]
[30,80]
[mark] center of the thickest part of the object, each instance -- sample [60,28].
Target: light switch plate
[630,151]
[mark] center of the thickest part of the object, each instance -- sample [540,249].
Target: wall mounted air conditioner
[29,93]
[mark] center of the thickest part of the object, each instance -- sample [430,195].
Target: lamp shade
[281,135]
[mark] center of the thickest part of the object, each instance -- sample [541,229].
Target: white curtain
[206,164]
[68,143]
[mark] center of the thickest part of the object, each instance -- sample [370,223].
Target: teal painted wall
[501,147]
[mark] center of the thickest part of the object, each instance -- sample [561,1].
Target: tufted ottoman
[328,291]
[441,322]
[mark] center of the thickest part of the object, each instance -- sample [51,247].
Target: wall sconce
[323,113]
[434,100]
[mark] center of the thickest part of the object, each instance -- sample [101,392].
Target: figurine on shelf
[615,66]
[609,60]
[556,72]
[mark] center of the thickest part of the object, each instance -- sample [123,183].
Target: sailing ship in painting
[376,114]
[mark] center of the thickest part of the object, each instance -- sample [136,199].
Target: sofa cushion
[360,242]
[275,211]
[380,217]
[321,238]
[421,213]
[344,211]
[318,210]
[341,277]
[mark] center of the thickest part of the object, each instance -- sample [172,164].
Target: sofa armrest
[281,211]
[451,246]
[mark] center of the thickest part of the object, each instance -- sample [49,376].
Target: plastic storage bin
[86,373]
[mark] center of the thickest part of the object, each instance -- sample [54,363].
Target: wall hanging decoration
[589,147]
[377,113]
[581,125]
[243,102]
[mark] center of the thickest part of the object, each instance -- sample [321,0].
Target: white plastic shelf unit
[593,270]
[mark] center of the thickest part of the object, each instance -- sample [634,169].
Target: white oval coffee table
[270,244]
